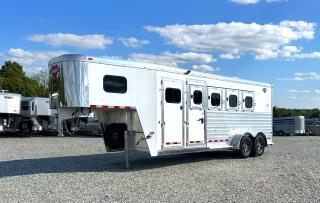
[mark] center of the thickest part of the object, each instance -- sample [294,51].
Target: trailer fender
[236,140]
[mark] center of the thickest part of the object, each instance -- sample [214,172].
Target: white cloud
[246,2]
[32,61]
[204,68]
[317,91]
[229,56]
[303,76]
[133,42]
[172,59]
[93,41]
[230,40]
[299,91]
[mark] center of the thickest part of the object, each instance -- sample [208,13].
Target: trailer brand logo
[54,70]
[264,90]
[8,97]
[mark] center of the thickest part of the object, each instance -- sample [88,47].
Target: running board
[181,150]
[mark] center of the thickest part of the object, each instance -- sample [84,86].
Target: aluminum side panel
[222,124]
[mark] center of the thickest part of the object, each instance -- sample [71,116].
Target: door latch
[201,119]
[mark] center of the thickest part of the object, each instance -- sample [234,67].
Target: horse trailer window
[197,97]
[233,100]
[173,95]
[115,84]
[248,102]
[215,99]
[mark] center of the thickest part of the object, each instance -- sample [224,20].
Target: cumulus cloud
[93,41]
[245,2]
[299,91]
[32,61]
[303,76]
[204,68]
[173,59]
[133,42]
[230,40]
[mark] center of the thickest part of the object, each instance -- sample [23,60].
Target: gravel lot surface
[76,169]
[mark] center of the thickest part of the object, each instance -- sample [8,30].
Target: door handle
[201,119]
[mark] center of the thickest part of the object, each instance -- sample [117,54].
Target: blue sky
[274,41]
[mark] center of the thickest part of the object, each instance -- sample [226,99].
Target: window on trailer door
[197,97]
[215,99]
[233,100]
[248,102]
[173,95]
[115,84]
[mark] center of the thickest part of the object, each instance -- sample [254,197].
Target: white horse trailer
[9,109]
[294,125]
[163,110]
[312,126]
[35,115]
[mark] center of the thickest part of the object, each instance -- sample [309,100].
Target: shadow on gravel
[103,163]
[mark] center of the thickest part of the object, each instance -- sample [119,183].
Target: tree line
[307,113]
[15,80]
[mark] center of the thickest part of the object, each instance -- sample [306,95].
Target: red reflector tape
[169,143]
[93,106]
[104,107]
[127,107]
[116,107]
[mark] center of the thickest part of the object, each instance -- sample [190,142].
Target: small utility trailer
[9,110]
[312,126]
[35,116]
[293,125]
[163,110]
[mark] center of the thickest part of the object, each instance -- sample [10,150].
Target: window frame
[216,90]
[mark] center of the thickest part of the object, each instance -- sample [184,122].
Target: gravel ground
[52,169]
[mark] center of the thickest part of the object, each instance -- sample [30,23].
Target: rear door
[195,130]
[172,113]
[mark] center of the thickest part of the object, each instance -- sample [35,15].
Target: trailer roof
[151,66]
[10,94]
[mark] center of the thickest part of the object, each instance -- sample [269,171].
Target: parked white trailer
[294,125]
[36,115]
[9,109]
[163,110]
[312,126]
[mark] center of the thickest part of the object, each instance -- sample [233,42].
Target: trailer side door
[172,112]
[195,114]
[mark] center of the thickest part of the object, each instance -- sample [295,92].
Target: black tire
[114,136]
[25,126]
[259,146]
[281,133]
[246,147]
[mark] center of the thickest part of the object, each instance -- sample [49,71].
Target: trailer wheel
[246,147]
[259,146]
[281,133]
[25,126]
